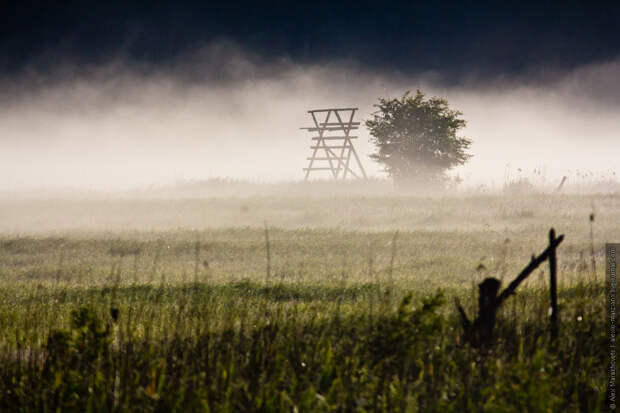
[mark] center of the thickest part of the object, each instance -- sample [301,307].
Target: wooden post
[487,309]
[553,285]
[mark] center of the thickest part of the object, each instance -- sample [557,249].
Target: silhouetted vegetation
[271,356]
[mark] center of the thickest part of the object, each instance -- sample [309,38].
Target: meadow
[341,301]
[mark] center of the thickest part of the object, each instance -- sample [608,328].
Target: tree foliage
[417,139]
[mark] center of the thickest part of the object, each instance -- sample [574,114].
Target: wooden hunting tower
[332,147]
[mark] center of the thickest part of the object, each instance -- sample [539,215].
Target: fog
[224,112]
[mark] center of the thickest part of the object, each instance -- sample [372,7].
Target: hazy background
[222,111]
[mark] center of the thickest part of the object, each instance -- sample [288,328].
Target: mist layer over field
[222,112]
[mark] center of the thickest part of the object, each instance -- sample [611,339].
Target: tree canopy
[416,138]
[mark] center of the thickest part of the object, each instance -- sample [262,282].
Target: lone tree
[416,139]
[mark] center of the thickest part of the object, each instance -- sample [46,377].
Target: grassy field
[298,303]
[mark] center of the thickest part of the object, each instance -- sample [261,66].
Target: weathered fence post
[553,285]
[487,309]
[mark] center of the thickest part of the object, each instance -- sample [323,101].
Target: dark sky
[454,39]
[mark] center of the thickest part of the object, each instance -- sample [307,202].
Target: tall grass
[249,347]
[276,319]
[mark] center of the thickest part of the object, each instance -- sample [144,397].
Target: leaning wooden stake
[559,188]
[480,332]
